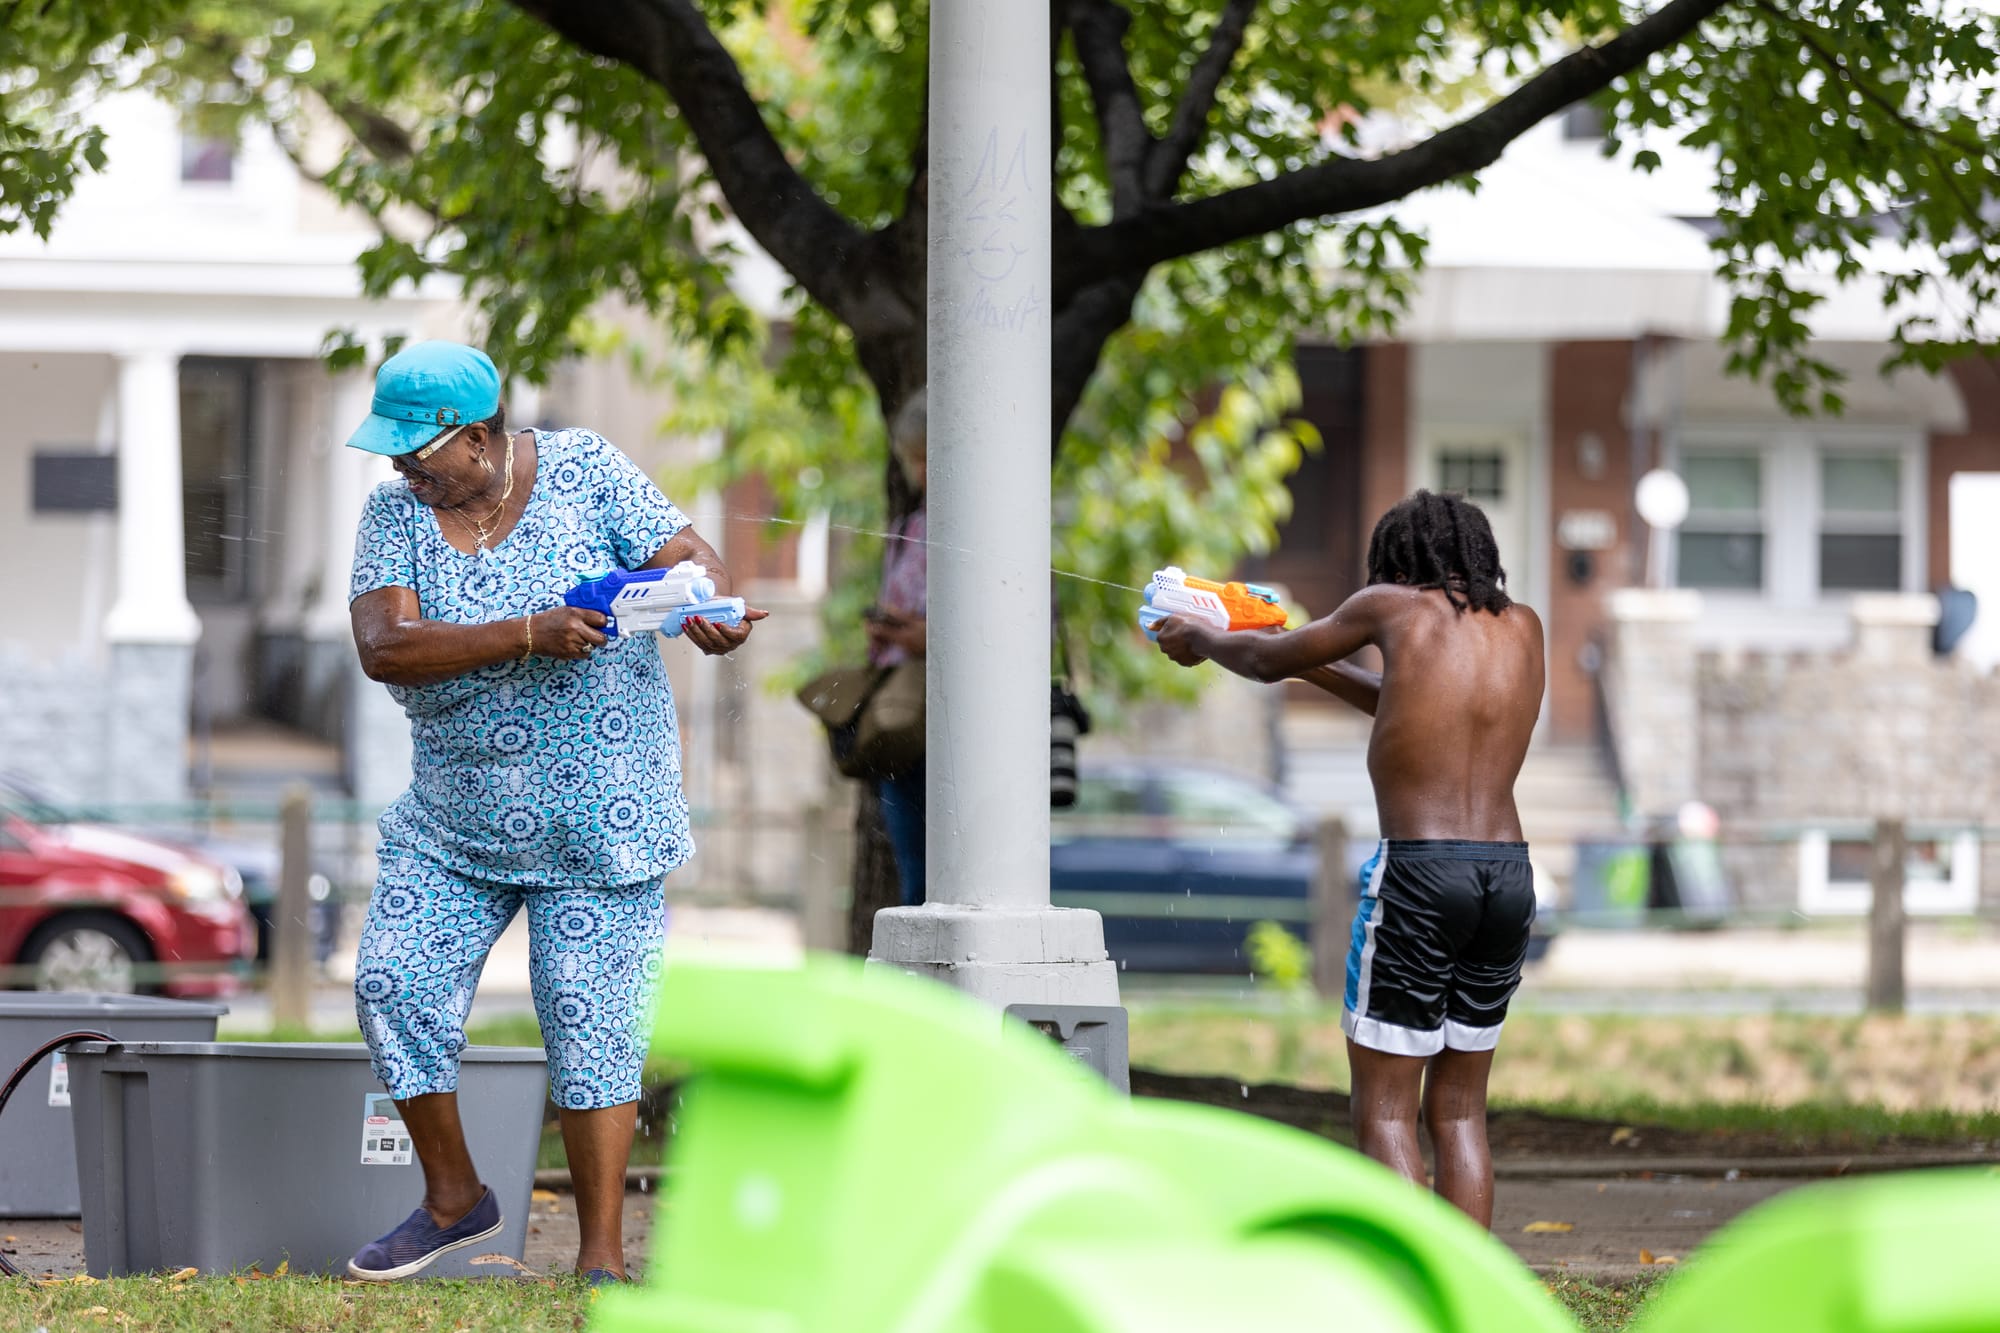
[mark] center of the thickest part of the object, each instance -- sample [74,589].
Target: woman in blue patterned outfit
[546,777]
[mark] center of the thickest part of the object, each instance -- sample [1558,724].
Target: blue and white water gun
[636,600]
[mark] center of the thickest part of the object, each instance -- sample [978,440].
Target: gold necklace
[478,526]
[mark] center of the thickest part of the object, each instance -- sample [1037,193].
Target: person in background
[545,778]
[896,633]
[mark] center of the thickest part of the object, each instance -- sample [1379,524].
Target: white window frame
[1821,896]
[1792,510]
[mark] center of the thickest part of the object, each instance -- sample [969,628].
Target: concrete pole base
[1004,956]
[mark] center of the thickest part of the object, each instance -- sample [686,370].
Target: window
[1477,475]
[1860,522]
[1722,542]
[1940,878]
[1108,805]
[1583,121]
[1802,516]
[205,159]
[1110,795]
[1213,806]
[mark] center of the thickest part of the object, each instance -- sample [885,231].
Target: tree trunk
[875,883]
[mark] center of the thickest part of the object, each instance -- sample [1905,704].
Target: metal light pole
[988,927]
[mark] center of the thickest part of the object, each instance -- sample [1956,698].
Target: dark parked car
[1182,860]
[1196,855]
[85,906]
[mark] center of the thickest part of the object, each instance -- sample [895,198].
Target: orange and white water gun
[1224,605]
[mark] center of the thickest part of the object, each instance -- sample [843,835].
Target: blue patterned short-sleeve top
[561,774]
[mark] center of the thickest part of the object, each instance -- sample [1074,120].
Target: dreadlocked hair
[1442,542]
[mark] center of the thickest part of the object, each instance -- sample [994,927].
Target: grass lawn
[327,1305]
[1600,1309]
[1856,1079]
[297,1305]
[1842,1082]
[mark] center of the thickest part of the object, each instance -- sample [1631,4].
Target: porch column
[152,605]
[150,629]
[373,733]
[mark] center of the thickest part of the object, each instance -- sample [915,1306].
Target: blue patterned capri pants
[594,963]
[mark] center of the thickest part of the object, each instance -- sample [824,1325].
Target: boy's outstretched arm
[1348,683]
[1281,654]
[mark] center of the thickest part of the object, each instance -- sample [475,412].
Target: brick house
[1564,343]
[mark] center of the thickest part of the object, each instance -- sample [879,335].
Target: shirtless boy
[1447,900]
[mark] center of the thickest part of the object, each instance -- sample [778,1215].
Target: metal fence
[307,864]
[299,873]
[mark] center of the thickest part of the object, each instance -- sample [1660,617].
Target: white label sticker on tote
[59,1082]
[384,1140]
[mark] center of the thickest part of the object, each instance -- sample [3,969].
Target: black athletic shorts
[1437,946]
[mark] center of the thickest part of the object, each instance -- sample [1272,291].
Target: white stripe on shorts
[1461,1037]
[1388,1038]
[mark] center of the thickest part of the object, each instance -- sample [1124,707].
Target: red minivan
[88,907]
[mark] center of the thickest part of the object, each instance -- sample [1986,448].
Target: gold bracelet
[528,622]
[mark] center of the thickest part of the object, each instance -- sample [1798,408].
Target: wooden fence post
[1333,904]
[823,887]
[1885,917]
[292,924]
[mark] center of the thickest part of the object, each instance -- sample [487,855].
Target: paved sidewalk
[1938,956]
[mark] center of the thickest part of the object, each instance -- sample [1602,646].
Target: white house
[177,524]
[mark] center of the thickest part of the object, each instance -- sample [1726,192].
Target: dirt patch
[1515,1134]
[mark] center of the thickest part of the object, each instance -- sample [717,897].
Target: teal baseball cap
[424,390]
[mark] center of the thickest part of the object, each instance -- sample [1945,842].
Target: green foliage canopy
[555,154]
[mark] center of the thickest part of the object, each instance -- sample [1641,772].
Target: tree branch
[1169,157]
[670,42]
[1082,327]
[384,139]
[1346,185]
[1099,28]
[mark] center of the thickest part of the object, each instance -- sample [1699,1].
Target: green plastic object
[1909,1253]
[864,1152]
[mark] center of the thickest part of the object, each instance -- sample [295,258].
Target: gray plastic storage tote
[220,1155]
[37,1154]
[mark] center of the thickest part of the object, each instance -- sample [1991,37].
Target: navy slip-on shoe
[602,1277]
[417,1243]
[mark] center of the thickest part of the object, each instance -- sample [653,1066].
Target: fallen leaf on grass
[80,1280]
[284,1267]
[184,1275]
[508,1260]
[1543,1228]
[1624,1134]
[1648,1257]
